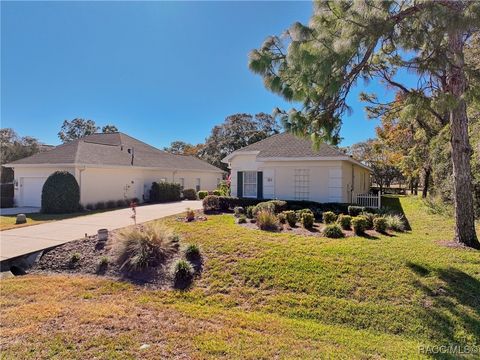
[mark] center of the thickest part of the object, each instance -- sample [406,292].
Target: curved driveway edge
[29,239]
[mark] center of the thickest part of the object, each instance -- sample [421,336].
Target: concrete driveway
[26,240]
[19,210]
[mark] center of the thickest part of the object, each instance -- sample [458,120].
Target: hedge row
[227,203]
[164,192]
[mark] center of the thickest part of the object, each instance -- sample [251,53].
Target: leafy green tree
[109,129]
[347,41]
[183,148]
[76,129]
[238,130]
[14,147]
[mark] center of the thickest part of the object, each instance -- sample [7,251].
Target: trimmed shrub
[300,212]
[354,210]
[238,210]
[307,220]
[122,203]
[211,203]
[164,192]
[202,194]
[380,224]
[217,192]
[143,247]
[189,194]
[192,252]
[242,219]
[60,193]
[90,207]
[249,212]
[111,204]
[395,222]
[182,273]
[333,231]
[100,205]
[369,217]
[345,221]
[329,217]
[264,206]
[279,205]
[291,217]
[359,224]
[266,220]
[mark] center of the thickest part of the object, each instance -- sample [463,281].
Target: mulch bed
[315,231]
[84,256]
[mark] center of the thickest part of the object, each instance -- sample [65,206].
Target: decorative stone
[21,219]
[102,234]
[144,346]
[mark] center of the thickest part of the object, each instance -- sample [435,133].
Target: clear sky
[160,71]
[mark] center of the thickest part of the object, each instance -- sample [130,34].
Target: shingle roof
[287,145]
[112,149]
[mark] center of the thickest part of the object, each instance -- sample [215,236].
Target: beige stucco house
[288,167]
[110,167]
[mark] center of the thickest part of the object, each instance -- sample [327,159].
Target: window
[181,181]
[302,184]
[250,184]
[197,186]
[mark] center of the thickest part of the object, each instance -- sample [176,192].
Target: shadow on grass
[393,203]
[451,309]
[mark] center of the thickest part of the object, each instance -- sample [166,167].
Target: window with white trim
[250,184]
[302,184]
[197,184]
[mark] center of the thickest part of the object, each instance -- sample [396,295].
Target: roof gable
[114,149]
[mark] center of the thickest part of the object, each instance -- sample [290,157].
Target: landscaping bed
[110,258]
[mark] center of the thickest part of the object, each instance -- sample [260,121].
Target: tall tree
[14,147]
[351,40]
[182,148]
[384,164]
[76,129]
[237,131]
[109,129]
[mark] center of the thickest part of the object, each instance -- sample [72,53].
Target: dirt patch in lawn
[93,257]
[316,230]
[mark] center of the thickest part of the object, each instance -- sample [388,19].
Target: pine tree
[346,41]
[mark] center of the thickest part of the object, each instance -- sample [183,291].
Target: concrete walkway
[26,240]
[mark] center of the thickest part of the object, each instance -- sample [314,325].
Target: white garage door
[32,191]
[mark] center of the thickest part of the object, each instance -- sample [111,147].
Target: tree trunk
[426,181]
[461,149]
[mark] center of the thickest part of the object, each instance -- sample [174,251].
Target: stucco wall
[326,177]
[41,172]
[104,184]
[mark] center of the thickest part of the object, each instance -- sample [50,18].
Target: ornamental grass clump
[238,210]
[264,206]
[142,247]
[380,224]
[307,220]
[329,217]
[395,222]
[249,212]
[211,203]
[192,252]
[333,231]
[266,220]
[291,217]
[345,221]
[359,224]
[182,273]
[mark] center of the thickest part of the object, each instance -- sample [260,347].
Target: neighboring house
[287,167]
[110,167]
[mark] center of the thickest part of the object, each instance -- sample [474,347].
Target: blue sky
[160,71]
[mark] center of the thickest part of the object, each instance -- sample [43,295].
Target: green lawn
[264,295]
